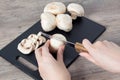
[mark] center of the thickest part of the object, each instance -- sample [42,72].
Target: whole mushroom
[56,41]
[64,22]
[55,8]
[48,22]
[75,10]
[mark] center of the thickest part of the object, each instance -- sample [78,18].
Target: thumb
[45,50]
[60,54]
[87,44]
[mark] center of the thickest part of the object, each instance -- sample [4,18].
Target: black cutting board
[82,28]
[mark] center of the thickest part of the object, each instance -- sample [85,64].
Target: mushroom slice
[48,22]
[25,46]
[41,39]
[64,22]
[55,8]
[39,34]
[75,10]
[34,39]
[56,41]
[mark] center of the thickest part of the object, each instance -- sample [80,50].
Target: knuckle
[105,41]
[99,43]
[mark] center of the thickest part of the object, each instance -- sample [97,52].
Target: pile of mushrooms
[26,46]
[54,15]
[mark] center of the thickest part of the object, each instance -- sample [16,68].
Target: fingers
[45,50]
[47,43]
[60,54]
[88,56]
[38,54]
[99,44]
[109,44]
[87,44]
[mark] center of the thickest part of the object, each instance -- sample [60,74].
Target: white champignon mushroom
[33,38]
[25,46]
[41,39]
[64,22]
[39,34]
[75,10]
[33,41]
[56,41]
[48,22]
[55,8]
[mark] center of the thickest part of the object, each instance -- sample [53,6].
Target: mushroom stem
[74,16]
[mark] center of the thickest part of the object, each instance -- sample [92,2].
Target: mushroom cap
[55,8]
[48,22]
[64,22]
[25,46]
[55,44]
[75,9]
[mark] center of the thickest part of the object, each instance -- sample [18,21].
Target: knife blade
[78,46]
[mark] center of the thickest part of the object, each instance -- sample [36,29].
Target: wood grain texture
[16,16]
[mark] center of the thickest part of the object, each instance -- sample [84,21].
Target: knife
[78,46]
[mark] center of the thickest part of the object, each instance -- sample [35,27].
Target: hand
[104,54]
[49,68]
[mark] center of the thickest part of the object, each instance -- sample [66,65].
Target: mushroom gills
[76,10]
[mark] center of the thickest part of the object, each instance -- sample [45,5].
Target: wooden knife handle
[80,48]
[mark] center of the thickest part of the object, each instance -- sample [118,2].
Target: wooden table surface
[16,16]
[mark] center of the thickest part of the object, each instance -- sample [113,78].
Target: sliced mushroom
[33,41]
[64,22]
[75,10]
[48,22]
[55,8]
[25,46]
[39,34]
[33,38]
[41,39]
[56,41]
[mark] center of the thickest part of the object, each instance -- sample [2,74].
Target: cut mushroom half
[64,22]
[48,22]
[25,46]
[41,39]
[33,38]
[55,8]
[75,10]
